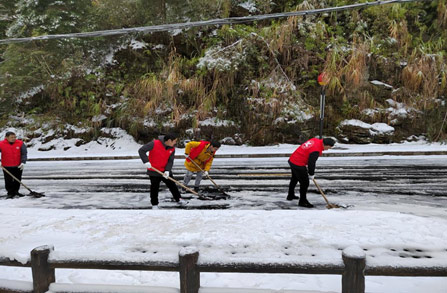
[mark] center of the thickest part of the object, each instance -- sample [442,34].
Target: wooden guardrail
[353,268]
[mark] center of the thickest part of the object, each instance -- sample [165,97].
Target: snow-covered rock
[356,131]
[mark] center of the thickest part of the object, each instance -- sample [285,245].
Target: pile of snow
[379,83]
[374,129]
[115,142]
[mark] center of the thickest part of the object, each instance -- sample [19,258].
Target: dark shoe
[292,197]
[20,195]
[196,189]
[305,204]
[9,196]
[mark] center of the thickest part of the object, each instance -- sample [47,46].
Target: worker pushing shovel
[13,159]
[199,159]
[177,182]
[225,195]
[159,164]
[302,163]
[31,193]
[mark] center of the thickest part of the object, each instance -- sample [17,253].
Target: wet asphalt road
[410,184]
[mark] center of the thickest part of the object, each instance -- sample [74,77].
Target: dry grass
[425,75]
[399,31]
[334,63]
[281,38]
[172,90]
[356,70]
[366,101]
[442,13]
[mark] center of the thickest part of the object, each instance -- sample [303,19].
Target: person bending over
[302,164]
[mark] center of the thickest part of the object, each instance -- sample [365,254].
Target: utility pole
[322,80]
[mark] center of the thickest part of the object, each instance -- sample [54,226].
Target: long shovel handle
[172,179]
[321,191]
[197,165]
[14,177]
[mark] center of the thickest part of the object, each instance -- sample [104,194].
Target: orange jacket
[204,158]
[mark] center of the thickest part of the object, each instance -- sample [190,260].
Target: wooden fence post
[189,274]
[353,278]
[43,275]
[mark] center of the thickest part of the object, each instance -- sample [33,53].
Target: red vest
[159,155]
[11,154]
[197,150]
[301,155]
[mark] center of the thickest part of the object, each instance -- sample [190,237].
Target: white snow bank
[223,236]
[147,289]
[245,290]
[292,236]
[375,129]
[124,145]
[93,288]
[19,286]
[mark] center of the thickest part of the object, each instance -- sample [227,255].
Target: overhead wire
[217,22]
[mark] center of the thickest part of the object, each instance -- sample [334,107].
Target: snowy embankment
[302,237]
[121,144]
[128,147]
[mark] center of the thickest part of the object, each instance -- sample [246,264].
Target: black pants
[155,186]
[11,185]
[299,174]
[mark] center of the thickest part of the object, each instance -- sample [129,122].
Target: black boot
[9,196]
[292,197]
[305,204]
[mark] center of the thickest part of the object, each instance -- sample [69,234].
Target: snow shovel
[32,193]
[215,184]
[185,187]
[329,205]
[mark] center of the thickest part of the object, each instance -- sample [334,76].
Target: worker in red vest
[161,156]
[302,162]
[13,158]
[202,153]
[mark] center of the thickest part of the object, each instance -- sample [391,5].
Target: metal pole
[322,102]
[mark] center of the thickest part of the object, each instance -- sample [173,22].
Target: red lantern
[323,79]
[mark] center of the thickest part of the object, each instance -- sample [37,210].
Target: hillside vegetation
[248,83]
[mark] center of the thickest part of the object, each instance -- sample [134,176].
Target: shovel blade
[211,197]
[36,194]
[334,206]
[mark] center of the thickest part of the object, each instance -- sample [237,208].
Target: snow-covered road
[416,184]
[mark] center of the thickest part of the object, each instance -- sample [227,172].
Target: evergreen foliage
[260,76]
